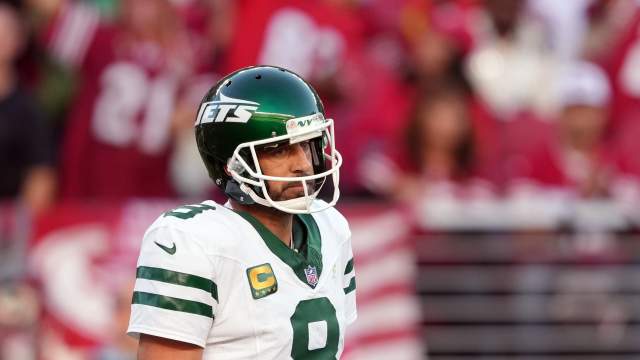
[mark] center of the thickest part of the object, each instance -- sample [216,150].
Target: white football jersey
[217,278]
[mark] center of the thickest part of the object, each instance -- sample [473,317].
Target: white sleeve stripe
[74,35]
[174,291]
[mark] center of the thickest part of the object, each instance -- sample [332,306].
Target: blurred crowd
[471,97]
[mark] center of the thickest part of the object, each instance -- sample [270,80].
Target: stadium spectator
[439,139]
[438,47]
[512,71]
[619,52]
[26,175]
[25,153]
[578,159]
[565,23]
[438,150]
[210,25]
[118,138]
[511,65]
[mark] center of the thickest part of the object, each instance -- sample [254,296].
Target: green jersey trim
[299,236]
[171,303]
[351,287]
[349,267]
[178,278]
[296,261]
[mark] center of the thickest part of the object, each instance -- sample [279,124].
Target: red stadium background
[491,175]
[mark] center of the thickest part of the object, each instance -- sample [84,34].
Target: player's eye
[306,147]
[276,150]
[279,151]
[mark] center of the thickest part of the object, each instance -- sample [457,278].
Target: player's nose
[301,160]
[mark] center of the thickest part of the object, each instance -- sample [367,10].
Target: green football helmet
[262,106]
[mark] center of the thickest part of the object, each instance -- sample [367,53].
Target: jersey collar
[296,261]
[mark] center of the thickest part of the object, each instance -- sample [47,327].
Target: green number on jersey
[188,211]
[311,311]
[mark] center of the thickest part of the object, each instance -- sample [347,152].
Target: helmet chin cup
[251,182]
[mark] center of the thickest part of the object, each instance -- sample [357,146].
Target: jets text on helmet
[226,109]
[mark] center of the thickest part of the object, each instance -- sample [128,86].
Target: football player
[269,274]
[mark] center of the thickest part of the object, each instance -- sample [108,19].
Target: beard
[291,190]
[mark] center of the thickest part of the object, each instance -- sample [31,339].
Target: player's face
[286,160]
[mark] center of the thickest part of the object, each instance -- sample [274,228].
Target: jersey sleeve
[349,283]
[174,295]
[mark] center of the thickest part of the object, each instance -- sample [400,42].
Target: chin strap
[234,191]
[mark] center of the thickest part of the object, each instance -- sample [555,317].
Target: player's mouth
[296,189]
[295,186]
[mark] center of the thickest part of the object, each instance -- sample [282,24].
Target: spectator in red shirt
[579,159]
[119,135]
[439,142]
[619,51]
[438,150]
[611,40]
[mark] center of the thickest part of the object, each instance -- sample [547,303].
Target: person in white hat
[584,95]
[577,158]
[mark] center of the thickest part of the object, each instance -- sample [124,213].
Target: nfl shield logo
[312,275]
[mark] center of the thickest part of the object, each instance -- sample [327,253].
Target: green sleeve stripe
[349,267]
[178,278]
[351,287]
[171,303]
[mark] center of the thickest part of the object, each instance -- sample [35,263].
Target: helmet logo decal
[226,109]
[300,124]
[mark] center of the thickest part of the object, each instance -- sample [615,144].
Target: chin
[289,195]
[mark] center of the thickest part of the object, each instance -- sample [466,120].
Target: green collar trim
[301,266]
[299,236]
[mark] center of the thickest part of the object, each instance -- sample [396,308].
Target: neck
[278,222]
[438,162]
